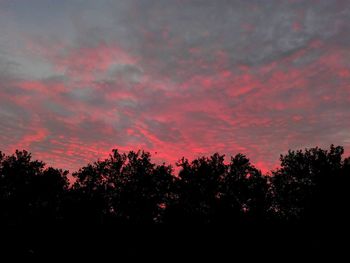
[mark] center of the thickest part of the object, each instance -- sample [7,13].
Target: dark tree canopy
[125,188]
[29,192]
[311,185]
[308,185]
[290,209]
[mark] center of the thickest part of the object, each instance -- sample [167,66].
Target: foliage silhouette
[128,188]
[125,188]
[310,185]
[245,192]
[29,193]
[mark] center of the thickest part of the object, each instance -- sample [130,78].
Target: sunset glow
[176,78]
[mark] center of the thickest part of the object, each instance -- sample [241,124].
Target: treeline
[311,186]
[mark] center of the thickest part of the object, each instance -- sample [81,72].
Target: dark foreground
[127,207]
[166,243]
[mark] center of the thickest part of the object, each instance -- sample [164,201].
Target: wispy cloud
[173,77]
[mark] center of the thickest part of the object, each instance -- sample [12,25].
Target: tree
[210,191]
[197,190]
[125,188]
[29,192]
[243,192]
[307,186]
[310,187]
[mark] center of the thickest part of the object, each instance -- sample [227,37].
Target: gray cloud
[183,77]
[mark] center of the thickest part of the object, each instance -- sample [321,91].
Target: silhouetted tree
[29,192]
[197,193]
[125,188]
[308,185]
[244,192]
[338,188]
[210,191]
[304,202]
[311,186]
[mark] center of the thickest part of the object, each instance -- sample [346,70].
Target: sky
[173,77]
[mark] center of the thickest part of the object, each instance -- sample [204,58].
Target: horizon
[173,78]
[174,166]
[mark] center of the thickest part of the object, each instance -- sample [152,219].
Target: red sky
[176,78]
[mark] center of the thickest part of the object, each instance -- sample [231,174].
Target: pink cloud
[208,105]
